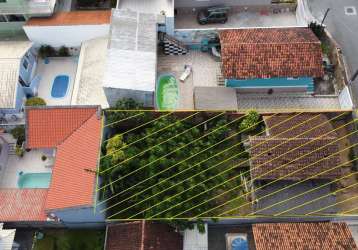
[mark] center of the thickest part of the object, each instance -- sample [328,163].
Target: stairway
[219,76]
[174,47]
[12,149]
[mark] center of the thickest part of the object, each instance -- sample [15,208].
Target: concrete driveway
[342,23]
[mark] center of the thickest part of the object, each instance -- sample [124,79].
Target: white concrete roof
[132,51]
[88,88]
[149,6]
[6,238]
[11,53]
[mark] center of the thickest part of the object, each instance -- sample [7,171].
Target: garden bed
[71,239]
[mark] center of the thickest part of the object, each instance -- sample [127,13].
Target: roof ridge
[75,129]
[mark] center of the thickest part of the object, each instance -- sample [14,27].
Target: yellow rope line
[270,170]
[237,165]
[141,153]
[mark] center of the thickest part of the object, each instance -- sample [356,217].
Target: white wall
[69,36]
[345,99]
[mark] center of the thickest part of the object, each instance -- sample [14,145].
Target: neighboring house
[271,60]
[70,139]
[17,74]
[14,13]
[299,236]
[297,162]
[88,89]
[142,235]
[75,27]
[131,57]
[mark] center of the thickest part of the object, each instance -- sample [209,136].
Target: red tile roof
[22,205]
[142,235]
[72,18]
[75,132]
[272,52]
[303,236]
[48,127]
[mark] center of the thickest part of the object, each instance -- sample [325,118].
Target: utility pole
[325,15]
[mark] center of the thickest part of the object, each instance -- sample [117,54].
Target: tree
[19,134]
[249,123]
[162,194]
[35,101]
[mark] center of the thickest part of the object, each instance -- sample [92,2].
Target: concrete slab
[204,73]
[239,20]
[48,72]
[215,98]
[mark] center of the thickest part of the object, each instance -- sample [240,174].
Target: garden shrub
[63,51]
[19,134]
[317,29]
[35,101]
[47,51]
[248,123]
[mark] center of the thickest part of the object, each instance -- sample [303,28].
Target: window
[23,83]
[25,64]
[16,18]
[2,1]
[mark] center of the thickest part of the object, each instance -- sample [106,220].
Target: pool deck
[31,162]
[204,73]
[48,72]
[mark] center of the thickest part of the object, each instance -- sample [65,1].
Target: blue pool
[60,86]
[34,180]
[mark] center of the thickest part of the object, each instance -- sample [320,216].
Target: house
[271,60]
[18,80]
[75,27]
[289,169]
[299,236]
[14,13]
[54,182]
[142,235]
[131,57]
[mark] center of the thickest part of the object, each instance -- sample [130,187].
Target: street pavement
[344,29]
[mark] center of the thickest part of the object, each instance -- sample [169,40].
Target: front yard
[71,240]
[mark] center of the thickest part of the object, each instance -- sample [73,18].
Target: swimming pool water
[167,93]
[34,180]
[60,86]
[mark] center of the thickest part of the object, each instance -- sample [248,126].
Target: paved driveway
[343,27]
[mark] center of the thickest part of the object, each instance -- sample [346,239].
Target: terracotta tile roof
[142,235]
[46,128]
[272,52]
[262,164]
[22,205]
[72,18]
[298,125]
[75,132]
[303,236]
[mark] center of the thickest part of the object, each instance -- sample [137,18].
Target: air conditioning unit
[236,241]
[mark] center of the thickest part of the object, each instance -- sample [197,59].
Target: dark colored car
[213,15]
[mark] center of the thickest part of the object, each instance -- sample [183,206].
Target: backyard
[166,164]
[70,240]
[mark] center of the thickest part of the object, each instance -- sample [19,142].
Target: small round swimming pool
[167,93]
[60,86]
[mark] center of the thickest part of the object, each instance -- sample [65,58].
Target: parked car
[216,14]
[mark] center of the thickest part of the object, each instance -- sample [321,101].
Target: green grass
[71,240]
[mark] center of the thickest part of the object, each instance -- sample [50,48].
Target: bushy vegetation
[35,101]
[250,122]
[317,29]
[49,51]
[159,176]
[19,134]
